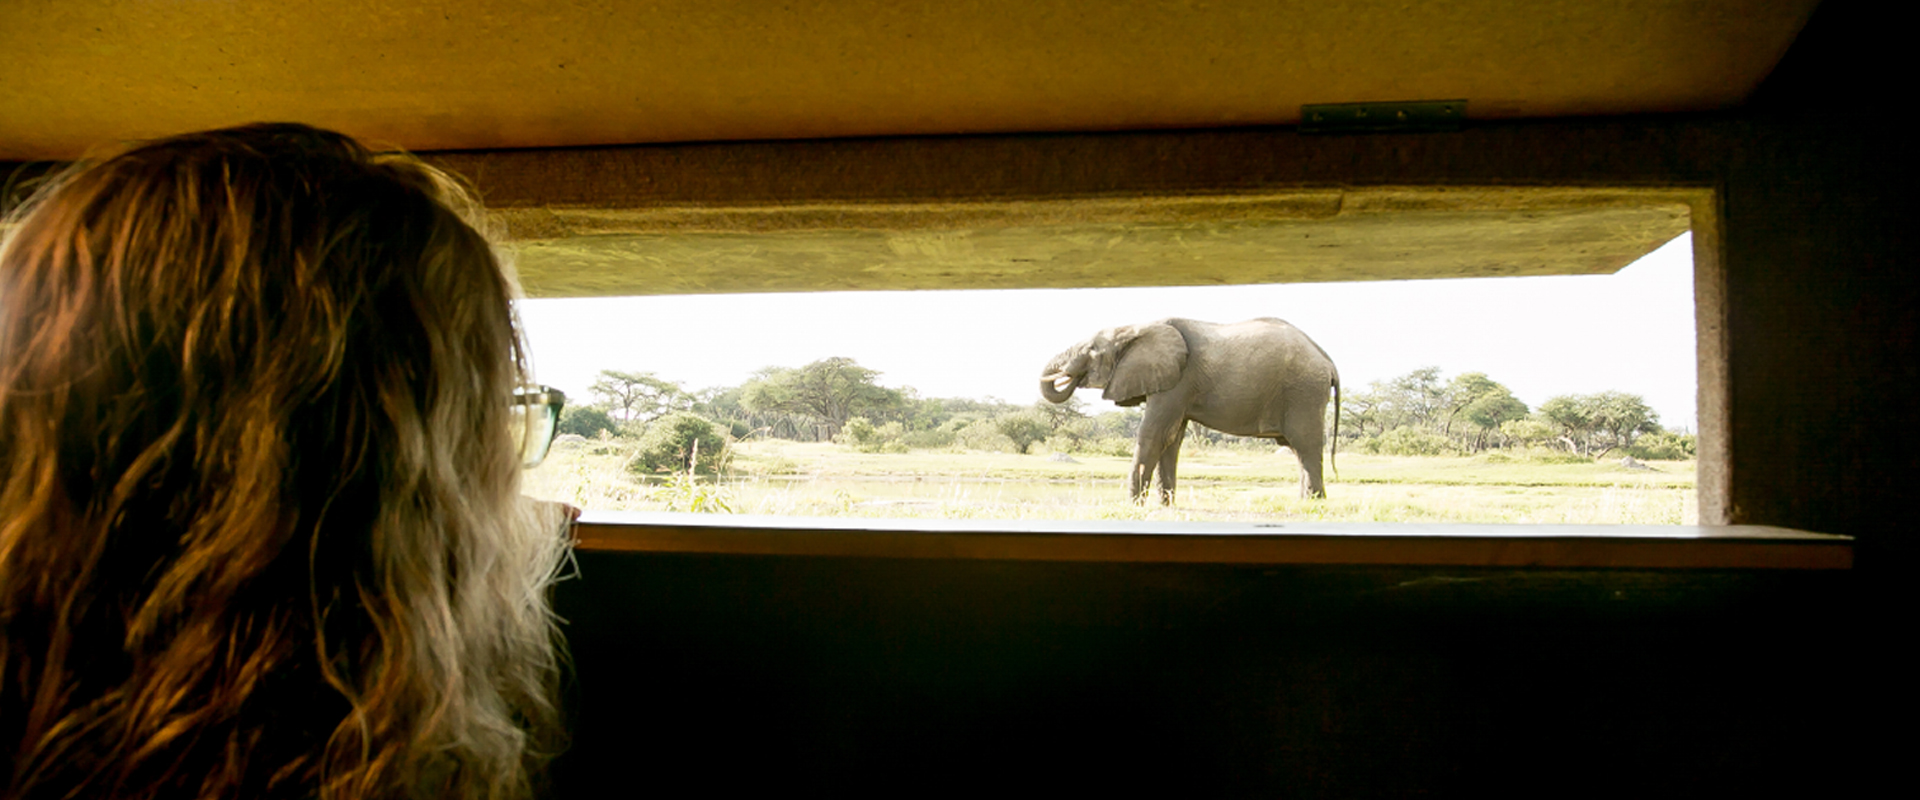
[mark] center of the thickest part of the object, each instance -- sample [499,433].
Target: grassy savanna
[1216,483]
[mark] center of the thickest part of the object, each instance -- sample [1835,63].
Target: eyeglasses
[535,421]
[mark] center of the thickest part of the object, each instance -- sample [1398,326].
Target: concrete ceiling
[1297,236]
[547,73]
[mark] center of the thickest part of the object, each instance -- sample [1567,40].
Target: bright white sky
[1631,331]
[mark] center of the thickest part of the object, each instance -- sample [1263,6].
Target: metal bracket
[1418,116]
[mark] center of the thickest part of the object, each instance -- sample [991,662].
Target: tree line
[836,399]
[833,399]
[1421,413]
[815,402]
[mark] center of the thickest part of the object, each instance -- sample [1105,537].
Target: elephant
[1262,378]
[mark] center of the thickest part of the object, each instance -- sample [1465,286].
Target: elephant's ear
[1150,362]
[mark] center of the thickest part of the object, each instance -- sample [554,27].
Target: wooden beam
[1537,546]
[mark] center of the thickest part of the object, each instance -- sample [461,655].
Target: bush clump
[1542,455]
[928,440]
[1122,448]
[1404,441]
[984,435]
[670,443]
[861,434]
[1023,428]
[1527,432]
[586,421]
[1664,446]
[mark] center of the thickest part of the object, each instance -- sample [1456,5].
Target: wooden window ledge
[1277,543]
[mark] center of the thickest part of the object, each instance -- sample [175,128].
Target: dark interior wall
[1823,308]
[1823,297]
[704,674]
[874,677]
[751,676]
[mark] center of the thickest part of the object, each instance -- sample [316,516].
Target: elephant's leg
[1137,486]
[1309,445]
[1312,484]
[1144,457]
[1162,424]
[1169,461]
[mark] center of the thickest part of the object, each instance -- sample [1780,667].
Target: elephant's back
[1272,326]
[1267,332]
[1277,329]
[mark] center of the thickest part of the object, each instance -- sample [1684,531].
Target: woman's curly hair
[260,525]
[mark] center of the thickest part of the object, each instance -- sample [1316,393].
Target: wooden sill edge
[1539,546]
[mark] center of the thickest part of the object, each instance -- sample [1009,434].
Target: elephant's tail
[1333,445]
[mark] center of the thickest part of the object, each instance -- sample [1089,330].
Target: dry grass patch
[817,479]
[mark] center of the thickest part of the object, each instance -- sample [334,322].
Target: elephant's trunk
[1058,387]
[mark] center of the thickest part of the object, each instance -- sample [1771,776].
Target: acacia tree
[1024,427]
[829,392]
[639,394]
[1481,404]
[1570,419]
[1595,423]
[1417,399]
[1467,410]
[1620,417]
[1491,411]
[1058,414]
[1361,414]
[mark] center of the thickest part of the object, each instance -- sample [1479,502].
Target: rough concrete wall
[1680,161]
[1820,300]
[1820,293]
[1823,299]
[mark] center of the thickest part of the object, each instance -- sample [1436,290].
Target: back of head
[260,527]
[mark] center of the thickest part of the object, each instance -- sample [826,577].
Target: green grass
[816,479]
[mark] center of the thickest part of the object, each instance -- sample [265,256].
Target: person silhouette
[261,532]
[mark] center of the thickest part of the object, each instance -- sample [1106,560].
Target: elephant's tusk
[1061,381]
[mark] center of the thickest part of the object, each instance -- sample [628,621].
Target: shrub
[1544,455]
[1664,446]
[669,444]
[1061,444]
[1406,441]
[1527,432]
[928,440]
[1070,436]
[861,434]
[1023,428]
[586,421]
[985,435]
[685,493]
[857,433]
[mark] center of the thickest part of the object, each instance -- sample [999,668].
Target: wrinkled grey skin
[1262,377]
